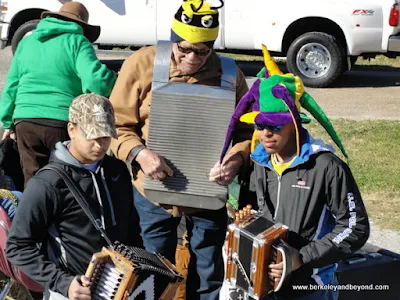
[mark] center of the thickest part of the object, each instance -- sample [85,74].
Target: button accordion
[253,244]
[121,272]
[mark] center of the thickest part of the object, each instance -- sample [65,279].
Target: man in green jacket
[51,67]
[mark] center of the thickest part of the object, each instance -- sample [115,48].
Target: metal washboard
[188,124]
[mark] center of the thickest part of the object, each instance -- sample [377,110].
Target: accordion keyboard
[106,280]
[124,273]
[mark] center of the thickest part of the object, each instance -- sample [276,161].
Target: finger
[168,170]
[276,266]
[215,171]
[227,179]
[162,176]
[275,274]
[216,167]
[159,176]
[85,281]
[216,178]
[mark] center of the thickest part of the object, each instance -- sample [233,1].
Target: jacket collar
[309,147]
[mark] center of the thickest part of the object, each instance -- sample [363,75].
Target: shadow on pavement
[359,76]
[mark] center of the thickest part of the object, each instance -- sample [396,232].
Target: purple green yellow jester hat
[276,99]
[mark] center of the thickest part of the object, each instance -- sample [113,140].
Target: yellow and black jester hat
[196,21]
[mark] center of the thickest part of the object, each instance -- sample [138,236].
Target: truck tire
[317,58]
[22,31]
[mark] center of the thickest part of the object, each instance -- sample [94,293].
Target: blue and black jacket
[318,199]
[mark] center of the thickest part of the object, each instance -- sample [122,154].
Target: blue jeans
[206,235]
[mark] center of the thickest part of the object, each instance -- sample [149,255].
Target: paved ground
[360,94]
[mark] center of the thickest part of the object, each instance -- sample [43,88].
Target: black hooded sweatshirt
[49,212]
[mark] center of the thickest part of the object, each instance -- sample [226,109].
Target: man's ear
[71,130]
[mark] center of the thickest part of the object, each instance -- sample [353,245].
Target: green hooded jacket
[52,66]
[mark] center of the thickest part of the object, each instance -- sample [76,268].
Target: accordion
[121,272]
[254,243]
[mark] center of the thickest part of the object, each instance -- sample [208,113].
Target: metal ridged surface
[189,132]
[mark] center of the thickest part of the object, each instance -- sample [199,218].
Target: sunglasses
[268,127]
[198,52]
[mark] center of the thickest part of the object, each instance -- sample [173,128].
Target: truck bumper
[394,43]
[4,27]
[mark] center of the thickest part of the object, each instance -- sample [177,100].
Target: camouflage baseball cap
[95,116]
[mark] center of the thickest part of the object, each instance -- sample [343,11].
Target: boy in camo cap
[106,185]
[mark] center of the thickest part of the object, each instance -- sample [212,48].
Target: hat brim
[275,119]
[92,32]
[90,133]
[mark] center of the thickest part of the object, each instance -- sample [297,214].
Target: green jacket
[52,66]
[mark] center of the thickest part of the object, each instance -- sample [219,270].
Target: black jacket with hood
[48,211]
[318,199]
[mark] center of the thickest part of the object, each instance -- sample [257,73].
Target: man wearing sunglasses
[193,61]
[301,183]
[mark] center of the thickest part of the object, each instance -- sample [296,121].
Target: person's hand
[276,270]
[153,165]
[224,173]
[79,289]
[9,135]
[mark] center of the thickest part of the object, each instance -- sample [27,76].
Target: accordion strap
[286,253]
[76,192]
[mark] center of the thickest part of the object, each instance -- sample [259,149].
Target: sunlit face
[87,151]
[189,57]
[281,142]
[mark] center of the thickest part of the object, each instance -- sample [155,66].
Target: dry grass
[380,60]
[384,208]
[374,158]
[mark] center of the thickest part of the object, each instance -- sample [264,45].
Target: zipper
[279,184]
[279,181]
[278,195]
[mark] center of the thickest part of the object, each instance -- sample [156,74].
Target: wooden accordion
[121,272]
[253,243]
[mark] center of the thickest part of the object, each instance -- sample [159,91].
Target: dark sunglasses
[202,52]
[268,127]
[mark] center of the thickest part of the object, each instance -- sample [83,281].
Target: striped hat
[196,21]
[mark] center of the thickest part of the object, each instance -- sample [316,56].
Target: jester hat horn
[276,99]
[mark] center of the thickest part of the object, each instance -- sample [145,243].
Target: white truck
[320,38]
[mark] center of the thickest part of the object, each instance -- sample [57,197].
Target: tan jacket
[131,98]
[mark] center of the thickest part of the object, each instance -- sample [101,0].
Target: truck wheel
[317,58]
[22,31]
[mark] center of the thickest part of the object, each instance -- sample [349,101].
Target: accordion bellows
[187,127]
[131,273]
